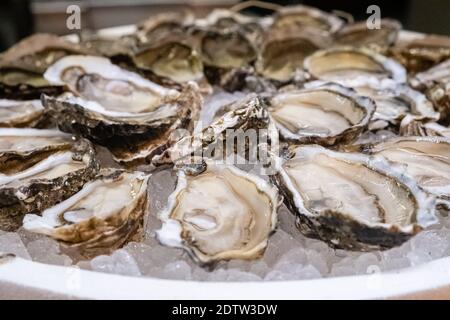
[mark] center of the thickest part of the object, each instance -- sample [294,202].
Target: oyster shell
[394,102]
[27,113]
[240,119]
[419,53]
[420,126]
[118,109]
[426,159]
[22,65]
[173,58]
[99,218]
[352,67]
[358,35]
[281,55]
[326,114]
[40,168]
[300,17]
[352,201]
[222,213]
[436,83]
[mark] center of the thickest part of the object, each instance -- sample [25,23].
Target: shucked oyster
[116,108]
[353,67]
[281,55]
[173,57]
[27,113]
[396,101]
[352,201]
[221,213]
[40,168]
[326,114]
[22,66]
[427,159]
[100,217]
[419,53]
[358,35]
[436,83]
[297,18]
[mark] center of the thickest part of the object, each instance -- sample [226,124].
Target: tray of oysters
[207,138]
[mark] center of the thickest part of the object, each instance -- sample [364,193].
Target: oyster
[419,53]
[118,109]
[173,58]
[394,102]
[420,126]
[352,201]
[221,213]
[22,66]
[40,168]
[241,120]
[158,27]
[325,114]
[299,17]
[426,159]
[358,35]
[99,218]
[27,113]
[353,67]
[436,83]
[281,55]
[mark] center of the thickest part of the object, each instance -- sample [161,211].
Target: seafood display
[342,129]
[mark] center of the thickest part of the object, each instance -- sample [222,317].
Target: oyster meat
[118,109]
[27,113]
[352,67]
[99,218]
[40,168]
[221,213]
[326,114]
[352,201]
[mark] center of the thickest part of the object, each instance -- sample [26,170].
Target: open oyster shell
[222,213]
[27,113]
[394,102]
[358,35]
[22,66]
[419,53]
[300,17]
[40,168]
[436,83]
[351,67]
[352,201]
[426,159]
[118,109]
[100,217]
[325,114]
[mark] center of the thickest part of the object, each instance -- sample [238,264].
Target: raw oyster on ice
[352,201]
[118,109]
[326,114]
[40,168]
[100,217]
[221,213]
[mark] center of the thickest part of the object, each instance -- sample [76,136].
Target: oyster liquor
[226,309]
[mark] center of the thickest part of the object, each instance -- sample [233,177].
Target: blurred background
[19,18]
